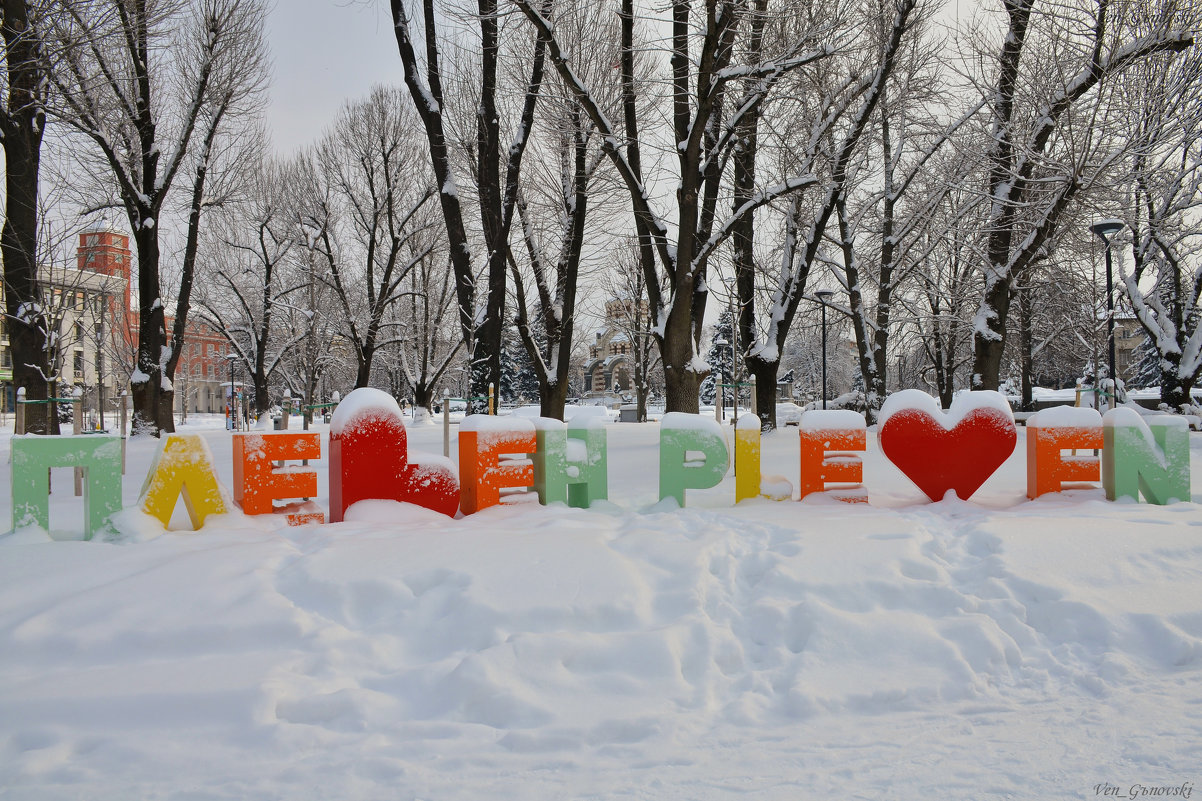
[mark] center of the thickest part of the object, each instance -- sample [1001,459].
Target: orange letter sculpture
[258,483]
[1053,431]
[482,441]
[826,436]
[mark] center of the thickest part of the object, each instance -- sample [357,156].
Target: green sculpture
[570,466]
[550,461]
[32,456]
[587,462]
[1149,458]
[692,454]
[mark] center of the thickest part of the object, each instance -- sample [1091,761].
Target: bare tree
[883,213]
[1165,283]
[1045,107]
[496,176]
[368,202]
[312,314]
[624,284]
[431,346]
[249,279]
[146,83]
[555,204]
[22,125]
[828,138]
[939,311]
[703,67]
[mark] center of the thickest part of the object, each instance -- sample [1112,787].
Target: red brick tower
[107,252]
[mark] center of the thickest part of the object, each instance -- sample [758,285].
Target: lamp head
[824,296]
[1107,228]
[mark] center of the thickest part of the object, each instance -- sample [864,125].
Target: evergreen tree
[519,380]
[1145,365]
[720,357]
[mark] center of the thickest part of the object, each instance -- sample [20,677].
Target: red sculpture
[939,452]
[369,459]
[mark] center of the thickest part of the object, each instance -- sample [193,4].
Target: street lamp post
[229,357]
[1106,229]
[824,297]
[720,397]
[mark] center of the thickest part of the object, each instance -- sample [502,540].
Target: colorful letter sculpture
[32,456]
[369,459]
[747,458]
[588,462]
[258,483]
[550,460]
[958,451]
[570,465]
[483,440]
[826,437]
[692,454]
[1148,456]
[184,466]
[1049,434]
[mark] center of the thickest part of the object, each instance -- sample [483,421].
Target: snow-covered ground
[995,648]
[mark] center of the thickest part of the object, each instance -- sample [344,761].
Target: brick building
[91,307]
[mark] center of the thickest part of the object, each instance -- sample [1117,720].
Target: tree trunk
[552,398]
[765,373]
[1026,343]
[681,383]
[150,415]
[990,342]
[1174,387]
[262,393]
[363,373]
[944,379]
[423,395]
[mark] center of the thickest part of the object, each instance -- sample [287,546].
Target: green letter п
[32,456]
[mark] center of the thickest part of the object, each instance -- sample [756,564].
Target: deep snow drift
[993,648]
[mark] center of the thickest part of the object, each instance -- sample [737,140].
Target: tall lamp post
[230,424]
[1106,229]
[824,297]
[100,372]
[720,392]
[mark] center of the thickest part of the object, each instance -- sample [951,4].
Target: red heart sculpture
[937,458]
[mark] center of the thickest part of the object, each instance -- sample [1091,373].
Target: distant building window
[212,350]
[78,364]
[6,358]
[210,372]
